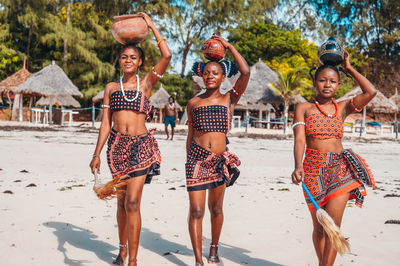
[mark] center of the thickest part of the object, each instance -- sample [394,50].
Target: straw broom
[332,230]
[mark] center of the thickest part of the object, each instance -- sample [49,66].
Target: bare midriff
[214,142]
[328,145]
[129,122]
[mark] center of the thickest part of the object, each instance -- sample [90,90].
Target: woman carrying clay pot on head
[132,154]
[332,174]
[209,165]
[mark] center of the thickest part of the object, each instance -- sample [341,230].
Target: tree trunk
[66,40]
[185,53]
[15,107]
[285,119]
[28,48]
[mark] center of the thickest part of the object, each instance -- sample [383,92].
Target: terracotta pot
[213,50]
[129,29]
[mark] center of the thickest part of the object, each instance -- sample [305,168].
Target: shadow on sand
[84,239]
[80,238]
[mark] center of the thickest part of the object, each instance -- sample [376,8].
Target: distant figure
[170,116]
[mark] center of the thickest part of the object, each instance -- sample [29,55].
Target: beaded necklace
[122,88]
[325,113]
[172,106]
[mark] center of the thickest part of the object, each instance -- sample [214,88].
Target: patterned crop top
[320,126]
[140,104]
[211,118]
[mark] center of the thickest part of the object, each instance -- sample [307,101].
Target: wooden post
[50,114]
[362,127]
[30,107]
[93,114]
[21,103]
[62,116]
[160,119]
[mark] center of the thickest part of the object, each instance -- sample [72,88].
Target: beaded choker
[325,113]
[122,88]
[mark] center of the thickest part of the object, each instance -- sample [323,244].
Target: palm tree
[291,83]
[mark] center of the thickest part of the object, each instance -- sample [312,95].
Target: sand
[59,221]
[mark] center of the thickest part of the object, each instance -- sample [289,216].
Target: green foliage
[268,42]
[8,56]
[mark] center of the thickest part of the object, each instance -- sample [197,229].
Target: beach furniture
[380,127]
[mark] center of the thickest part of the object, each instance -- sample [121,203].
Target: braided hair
[320,68]
[138,49]
[229,68]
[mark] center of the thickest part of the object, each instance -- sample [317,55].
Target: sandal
[119,260]
[214,258]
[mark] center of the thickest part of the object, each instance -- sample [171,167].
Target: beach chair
[379,126]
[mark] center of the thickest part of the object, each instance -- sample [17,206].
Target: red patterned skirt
[205,169]
[329,175]
[128,157]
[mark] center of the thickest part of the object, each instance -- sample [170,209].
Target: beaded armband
[298,123]
[158,43]
[189,123]
[355,108]
[236,93]
[155,73]
[105,106]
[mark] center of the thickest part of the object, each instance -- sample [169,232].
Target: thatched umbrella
[99,97]
[379,104]
[50,81]
[160,98]
[8,85]
[59,100]
[258,89]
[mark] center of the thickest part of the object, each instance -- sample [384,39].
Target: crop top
[140,104]
[211,118]
[320,126]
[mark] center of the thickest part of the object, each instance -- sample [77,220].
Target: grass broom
[332,230]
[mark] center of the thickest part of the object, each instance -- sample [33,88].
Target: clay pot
[330,53]
[129,29]
[213,50]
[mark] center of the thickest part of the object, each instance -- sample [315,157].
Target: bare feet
[167,138]
[123,252]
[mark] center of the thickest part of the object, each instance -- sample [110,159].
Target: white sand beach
[53,217]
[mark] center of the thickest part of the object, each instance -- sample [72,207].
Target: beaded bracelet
[298,123]
[189,123]
[236,93]
[105,106]
[158,43]
[155,73]
[355,108]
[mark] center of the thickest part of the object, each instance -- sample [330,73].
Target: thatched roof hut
[99,97]
[51,80]
[258,89]
[379,104]
[396,99]
[13,81]
[297,99]
[256,107]
[59,100]
[160,98]
[227,84]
